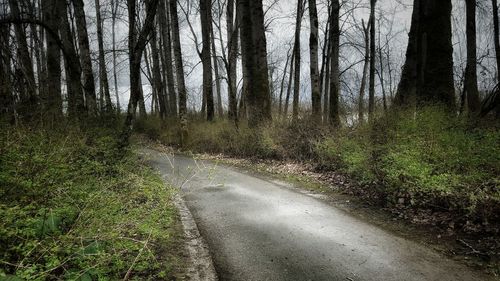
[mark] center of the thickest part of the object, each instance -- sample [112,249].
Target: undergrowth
[426,159]
[74,207]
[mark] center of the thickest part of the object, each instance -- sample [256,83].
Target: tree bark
[76,104]
[253,39]
[28,102]
[232,39]
[362,88]
[114,8]
[103,73]
[51,15]
[496,30]
[437,83]
[334,117]
[371,91]
[179,71]
[165,27]
[296,87]
[158,85]
[407,87]
[220,110]
[313,48]
[205,16]
[470,82]
[84,47]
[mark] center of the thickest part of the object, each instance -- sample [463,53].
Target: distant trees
[47,61]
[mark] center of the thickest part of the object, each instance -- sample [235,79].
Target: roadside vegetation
[74,207]
[429,160]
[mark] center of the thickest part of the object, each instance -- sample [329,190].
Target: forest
[394,103]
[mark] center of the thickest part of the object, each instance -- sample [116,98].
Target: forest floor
[436,229]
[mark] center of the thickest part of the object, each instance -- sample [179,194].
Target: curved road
[261,230]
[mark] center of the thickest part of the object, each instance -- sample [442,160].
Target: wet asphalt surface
[258,229]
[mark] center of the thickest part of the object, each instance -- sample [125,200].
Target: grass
[74,207]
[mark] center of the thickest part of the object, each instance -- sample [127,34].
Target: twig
[129,271]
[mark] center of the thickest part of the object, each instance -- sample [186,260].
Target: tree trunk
[179,71]
[232,39]
[496,30]
[407,87]
[290,81]
[313,48]
[84,47]
[165,27]
[335,73]
[362,88]
[114,8]
[470,83]
[437,83]
[76,103]
[6,94]
[220,111]
[371,91]
[103,73]
[206,21]
[253,39]
[282,87]
[51,15]
[28,102]
[158,85]
[137,41]
[296,87]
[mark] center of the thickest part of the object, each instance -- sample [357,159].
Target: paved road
[261,230]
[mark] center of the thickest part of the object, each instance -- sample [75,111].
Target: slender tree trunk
[205,16]
[220,111]
[371,91]
[158,85]
[335,73]
[51,15]
[362,88]
[165,26]
[253,39]
[296,88]
[232,39]
[28,102]
[290,81]
[137,41]
[325,67]
[470,83]
[282,87]
[381,72]
[6,93]
[313,48]
[76,103]
[84,47]
[114,7]
[103,73]
[179,71]
[496,30]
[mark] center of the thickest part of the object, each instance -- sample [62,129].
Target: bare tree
[103,73]
[84,47]
[296,50]
[253,39]
[334,116]
[362,88]
[313,48]
[470,82]
[371,91]
[206,20]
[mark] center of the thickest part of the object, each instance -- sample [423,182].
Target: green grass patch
[74,207]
